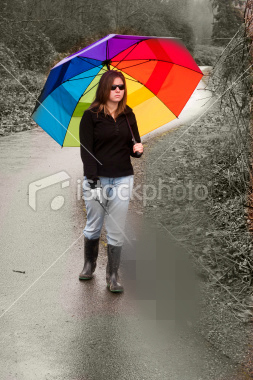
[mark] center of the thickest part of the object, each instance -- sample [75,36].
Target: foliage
[207,55]
[215,152]
[80,21]
[17,102]
[32,50]
[213,229]
[9,60]
[231,166]
[227,20]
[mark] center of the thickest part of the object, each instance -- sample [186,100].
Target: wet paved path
[53,326]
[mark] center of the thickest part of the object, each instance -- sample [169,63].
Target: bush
[207,55]
[9,60]
[25,48]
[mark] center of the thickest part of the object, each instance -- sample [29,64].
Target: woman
[106,142]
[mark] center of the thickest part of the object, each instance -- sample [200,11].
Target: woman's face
[117,94]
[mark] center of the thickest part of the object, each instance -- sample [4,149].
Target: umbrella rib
[149,60]
[137,64]
[68,80]
[154,95]
[78,102]
[91,76]
[135,80]
[75,108]
[89,89]
[152,59]
[159,60]
[135,45]
[85,60]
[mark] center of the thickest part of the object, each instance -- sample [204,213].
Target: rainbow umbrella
[160,73]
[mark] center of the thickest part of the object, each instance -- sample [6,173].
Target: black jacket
[106,145]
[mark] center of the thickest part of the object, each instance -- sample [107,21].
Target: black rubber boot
[113,253]
[90,258]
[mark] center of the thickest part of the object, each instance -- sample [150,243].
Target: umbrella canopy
[160,74]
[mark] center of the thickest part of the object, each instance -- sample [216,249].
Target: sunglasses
[120,86]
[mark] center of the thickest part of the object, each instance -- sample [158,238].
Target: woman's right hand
[96,194]
[138,147]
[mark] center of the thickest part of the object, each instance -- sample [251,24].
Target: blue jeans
[116,193]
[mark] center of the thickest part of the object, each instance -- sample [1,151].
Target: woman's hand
[96,194]
[138,148]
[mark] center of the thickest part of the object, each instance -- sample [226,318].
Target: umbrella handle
[138,154]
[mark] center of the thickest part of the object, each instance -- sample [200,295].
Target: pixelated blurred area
[162,277]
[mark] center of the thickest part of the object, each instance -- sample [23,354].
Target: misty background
[33,32]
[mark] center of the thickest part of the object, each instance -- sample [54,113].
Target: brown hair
[103,93]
